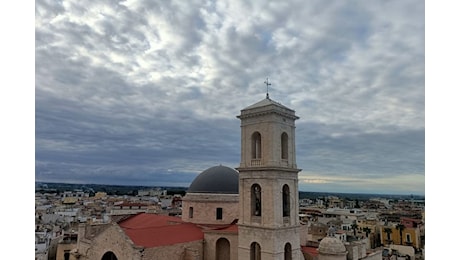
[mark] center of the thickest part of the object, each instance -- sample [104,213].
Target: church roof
[217,179]
[267,106]
[265,102]
[312,251]
[151,230]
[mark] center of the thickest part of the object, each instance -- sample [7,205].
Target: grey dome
[217,179]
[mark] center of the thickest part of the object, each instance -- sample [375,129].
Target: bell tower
[268,225]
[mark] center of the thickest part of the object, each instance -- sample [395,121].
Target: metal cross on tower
[268,84]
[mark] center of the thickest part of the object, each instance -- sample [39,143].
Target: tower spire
[268,84]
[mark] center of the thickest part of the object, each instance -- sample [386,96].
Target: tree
[367,231]
[400,227]
[354,227]
[388,231]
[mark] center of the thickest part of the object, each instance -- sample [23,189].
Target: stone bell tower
[268,225]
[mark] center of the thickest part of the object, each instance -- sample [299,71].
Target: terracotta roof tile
[150,230]
[313,251]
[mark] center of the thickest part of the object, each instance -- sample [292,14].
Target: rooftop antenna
[268,84]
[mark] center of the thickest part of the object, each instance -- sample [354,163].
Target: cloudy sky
[147,92]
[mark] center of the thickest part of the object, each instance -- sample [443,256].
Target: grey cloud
[150,86]
[359,153]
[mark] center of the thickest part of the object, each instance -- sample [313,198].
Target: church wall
[263,129]
[268,160]
[210,244]
[111,239]
[183,251]
[272,185]
[205,205]
[264,237]
[271,137]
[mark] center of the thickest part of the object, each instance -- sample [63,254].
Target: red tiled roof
[231,228]
[151,230]
[313,251]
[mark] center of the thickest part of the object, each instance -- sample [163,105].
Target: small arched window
[256,146]
[255,251]
[286,201]
[109,256]
[284,146]
[287,252]
[256,200]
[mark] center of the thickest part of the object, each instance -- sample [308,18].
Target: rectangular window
[190,212]
[219,213]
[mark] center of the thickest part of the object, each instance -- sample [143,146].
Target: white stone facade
[268,226]
[201,208]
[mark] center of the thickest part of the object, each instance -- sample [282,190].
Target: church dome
[217,179]
[331,245]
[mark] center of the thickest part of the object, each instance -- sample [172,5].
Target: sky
[147,92]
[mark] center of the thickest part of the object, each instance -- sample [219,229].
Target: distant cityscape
[133,189]
[61,209]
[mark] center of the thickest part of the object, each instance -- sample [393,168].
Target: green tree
[400,227]
[388,231]
[354,227]
[367,231]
